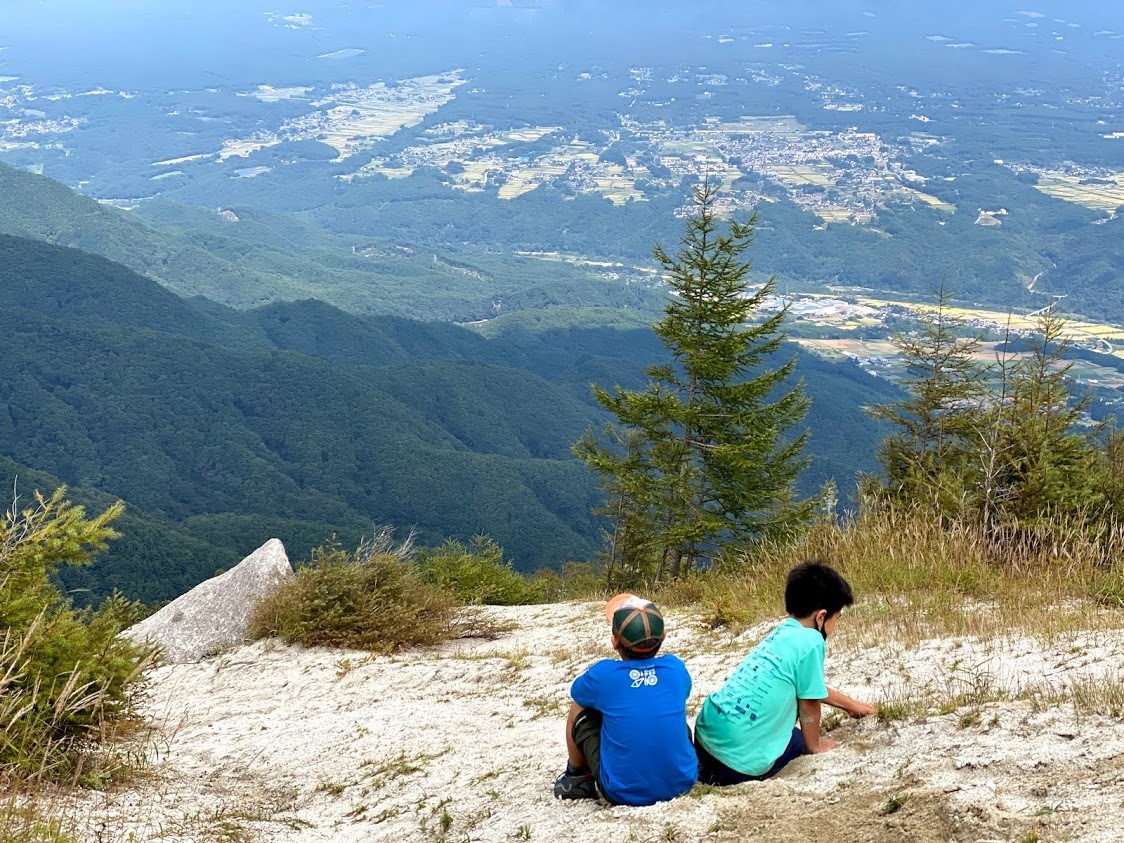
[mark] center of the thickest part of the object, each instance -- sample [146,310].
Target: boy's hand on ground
[852,707]
[860,710]
[825,745]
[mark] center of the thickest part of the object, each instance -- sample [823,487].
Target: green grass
[25,824]
[477,574]
[894,804]
[891,711]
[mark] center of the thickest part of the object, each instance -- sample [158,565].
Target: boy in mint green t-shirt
[746,730]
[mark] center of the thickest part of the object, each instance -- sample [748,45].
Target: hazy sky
[152,43]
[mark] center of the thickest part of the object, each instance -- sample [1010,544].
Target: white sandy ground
[461,743]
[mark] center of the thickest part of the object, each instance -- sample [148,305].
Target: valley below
[555,299]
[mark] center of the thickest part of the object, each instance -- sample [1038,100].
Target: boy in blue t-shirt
[746,730]
[627,733]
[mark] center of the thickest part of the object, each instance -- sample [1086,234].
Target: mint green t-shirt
[748,722]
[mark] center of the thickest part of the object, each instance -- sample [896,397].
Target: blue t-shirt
[646,752]
[748,722]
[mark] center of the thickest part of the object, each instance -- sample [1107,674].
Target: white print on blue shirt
[647,676]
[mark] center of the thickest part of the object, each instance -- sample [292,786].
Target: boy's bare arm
[854,708]
[809,713]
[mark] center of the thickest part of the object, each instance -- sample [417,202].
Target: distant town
[841,176]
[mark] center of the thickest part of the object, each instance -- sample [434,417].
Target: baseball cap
[637,623]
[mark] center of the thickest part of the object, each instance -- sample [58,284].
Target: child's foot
[575,785]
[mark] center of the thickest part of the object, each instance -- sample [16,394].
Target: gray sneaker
[575,786]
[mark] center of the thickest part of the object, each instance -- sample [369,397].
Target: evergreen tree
[66,678]
[707,460]
[629,553]
[1003,446]
[1050,460]
[930,455]
[1110,478]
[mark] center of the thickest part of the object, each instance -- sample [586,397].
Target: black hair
[628,655]
[814,585]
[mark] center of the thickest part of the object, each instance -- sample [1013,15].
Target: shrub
[477,574]
[367,600]
[576,581]
[67,682]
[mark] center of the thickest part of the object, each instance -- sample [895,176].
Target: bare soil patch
[461,743]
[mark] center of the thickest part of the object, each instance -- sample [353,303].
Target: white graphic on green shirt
[748,722]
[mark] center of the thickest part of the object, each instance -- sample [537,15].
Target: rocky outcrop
[216,613]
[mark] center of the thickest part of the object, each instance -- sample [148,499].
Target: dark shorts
[587,736]
[714,772]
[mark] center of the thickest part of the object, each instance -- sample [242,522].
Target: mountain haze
[250,258]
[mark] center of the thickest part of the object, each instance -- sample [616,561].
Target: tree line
[702,461]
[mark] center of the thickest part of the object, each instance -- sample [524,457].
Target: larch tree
[707,455]
[1052,459]
[1006,446]
[929,457]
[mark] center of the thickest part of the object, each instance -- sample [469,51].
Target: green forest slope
[268,257]
[221,428]
[908,249]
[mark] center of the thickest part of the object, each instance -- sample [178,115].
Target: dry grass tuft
[918,816]
[23,823]
[916,579]
[366,601]
[476,622]
[1089,695]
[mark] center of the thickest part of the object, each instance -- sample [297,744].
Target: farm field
[1078,331]
[186,159]
[243,147]
[577,260]
[365,114]
[352,118]
[820,175]
[883,354]
[460,150]
[268,93]
[786,124]
[928,199]
[1101,195]
[840,349]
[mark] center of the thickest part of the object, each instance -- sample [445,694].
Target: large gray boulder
[216,613]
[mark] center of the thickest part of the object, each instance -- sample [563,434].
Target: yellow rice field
[921,196]
[1096,196]
[1076,330]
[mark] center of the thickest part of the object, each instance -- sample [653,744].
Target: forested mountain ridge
[262,439]
[248,258]
[217,435]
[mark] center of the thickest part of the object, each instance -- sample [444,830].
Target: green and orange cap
[637,623]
